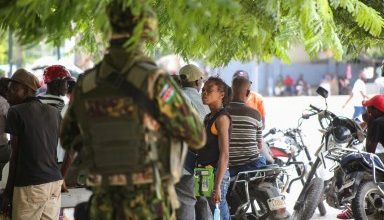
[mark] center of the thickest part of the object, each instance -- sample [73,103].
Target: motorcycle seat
[363,158]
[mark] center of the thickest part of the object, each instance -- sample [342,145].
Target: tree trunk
[18,54]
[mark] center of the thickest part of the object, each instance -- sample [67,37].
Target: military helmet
[135,19]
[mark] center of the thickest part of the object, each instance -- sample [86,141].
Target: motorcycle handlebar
[315,108]
[307,116]
[288,131]
[271,131]
[318,110]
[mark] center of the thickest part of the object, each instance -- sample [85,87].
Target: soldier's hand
[216,196]
[64,187]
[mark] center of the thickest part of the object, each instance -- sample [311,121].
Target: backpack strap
[123,82]
[141,99]
[87,80]
[146,73]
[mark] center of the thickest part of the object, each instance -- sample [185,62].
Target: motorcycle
[337,132]
[358,181]
[285,149]
[256,190]
[280,145]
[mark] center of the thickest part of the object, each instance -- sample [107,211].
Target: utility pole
[58,52]
[10,53]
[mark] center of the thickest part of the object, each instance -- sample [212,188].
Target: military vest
[115,138]
[119,135]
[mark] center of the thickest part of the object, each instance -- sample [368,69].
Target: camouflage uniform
[176,121]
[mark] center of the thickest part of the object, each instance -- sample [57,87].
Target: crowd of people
[231,118]
[33,121]
[288,86]
[127,124]
[247,120]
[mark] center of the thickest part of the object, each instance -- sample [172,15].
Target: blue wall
[226,72]
[264,75]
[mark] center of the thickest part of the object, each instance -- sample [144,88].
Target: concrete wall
[226,73]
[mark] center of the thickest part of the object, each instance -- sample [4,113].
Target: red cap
[55,72]
[376,101]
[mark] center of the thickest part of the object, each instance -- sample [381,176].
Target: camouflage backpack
[116,134]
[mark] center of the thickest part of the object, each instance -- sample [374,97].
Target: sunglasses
[208,91]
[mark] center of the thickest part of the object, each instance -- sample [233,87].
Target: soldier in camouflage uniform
[125,124]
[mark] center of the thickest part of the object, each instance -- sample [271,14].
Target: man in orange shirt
[255,100]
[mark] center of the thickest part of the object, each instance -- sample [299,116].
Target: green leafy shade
[214,30]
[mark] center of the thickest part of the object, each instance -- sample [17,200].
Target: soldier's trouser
[203,211]
[185,194]
[37,202]
[125,203]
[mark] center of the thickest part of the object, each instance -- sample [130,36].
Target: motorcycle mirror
[322,92]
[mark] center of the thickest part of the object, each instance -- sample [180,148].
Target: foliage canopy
[215,30]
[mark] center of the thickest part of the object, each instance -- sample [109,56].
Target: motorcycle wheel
[235,199]
[363,207]
[261,199]
[313,198]
[260,212]
[259,208]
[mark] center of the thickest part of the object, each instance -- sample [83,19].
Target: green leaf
[215,31]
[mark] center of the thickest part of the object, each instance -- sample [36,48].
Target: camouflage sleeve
[176,116]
